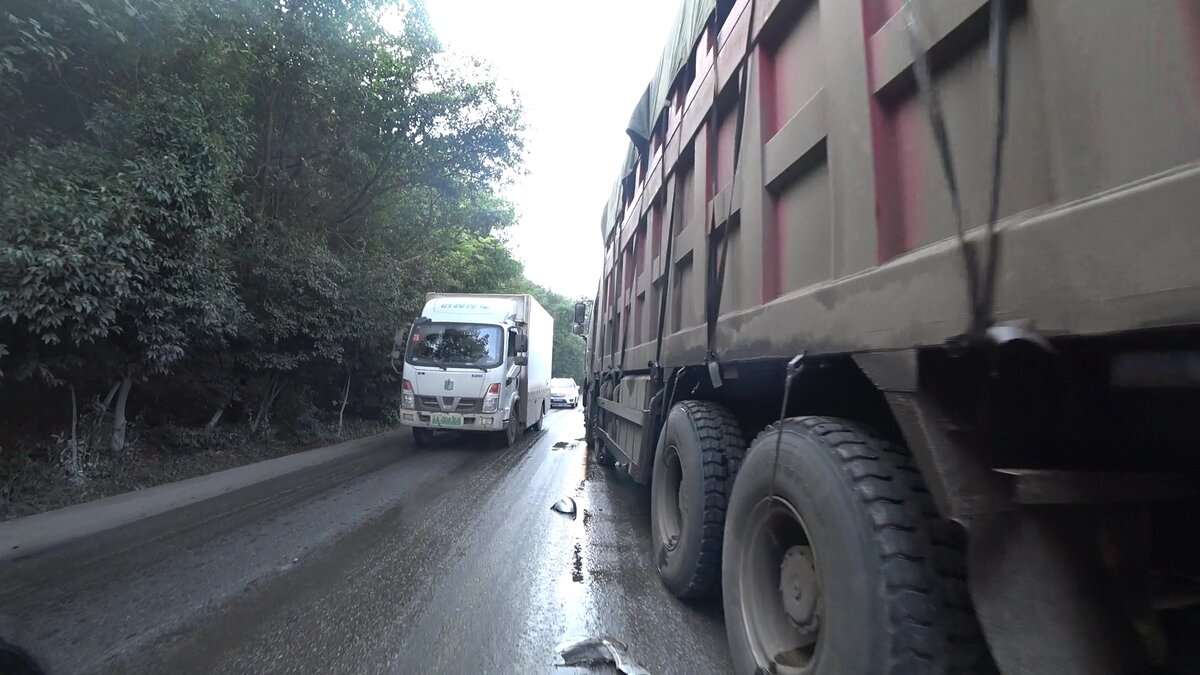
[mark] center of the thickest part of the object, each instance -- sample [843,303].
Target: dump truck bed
[839,219]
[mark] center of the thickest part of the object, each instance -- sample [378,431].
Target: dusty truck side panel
[818,234]
[835,221]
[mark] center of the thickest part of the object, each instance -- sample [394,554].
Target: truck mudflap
[1029,561]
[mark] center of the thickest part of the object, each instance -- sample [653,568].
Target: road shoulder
[144,514]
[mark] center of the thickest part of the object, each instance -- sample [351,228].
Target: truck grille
[451,404]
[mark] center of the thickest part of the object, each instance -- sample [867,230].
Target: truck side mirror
[521,360]
[579,329]
[400,342]
[522,342]
[580,313]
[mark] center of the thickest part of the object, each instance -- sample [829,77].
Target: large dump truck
[898,321]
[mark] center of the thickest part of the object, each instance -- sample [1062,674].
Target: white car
[564,392]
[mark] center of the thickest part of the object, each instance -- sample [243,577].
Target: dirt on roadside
[33,477]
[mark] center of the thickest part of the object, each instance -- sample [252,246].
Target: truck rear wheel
[537,426]
[589,434]
[600,453]
[698,454]
[507,437]
[602,456]
[834,560]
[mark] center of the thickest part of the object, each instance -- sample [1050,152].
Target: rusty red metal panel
[724,154]
[656,218]
[891,226]
[639,250]
[733,45]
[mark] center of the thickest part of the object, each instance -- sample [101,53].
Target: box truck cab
[476,363]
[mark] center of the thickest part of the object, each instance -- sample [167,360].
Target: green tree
[238,200]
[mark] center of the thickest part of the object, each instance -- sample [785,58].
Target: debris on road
[565,505]
[593,651]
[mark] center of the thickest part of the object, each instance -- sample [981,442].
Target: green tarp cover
[689,23]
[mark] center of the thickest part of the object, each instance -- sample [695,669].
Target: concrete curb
[108,526]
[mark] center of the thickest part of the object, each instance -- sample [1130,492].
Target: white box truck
[476,363]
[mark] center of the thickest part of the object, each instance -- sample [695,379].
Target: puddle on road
[570,590]
[564,445]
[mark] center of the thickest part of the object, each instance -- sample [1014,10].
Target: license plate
[447,420]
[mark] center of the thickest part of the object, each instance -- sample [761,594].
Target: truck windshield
[455,344]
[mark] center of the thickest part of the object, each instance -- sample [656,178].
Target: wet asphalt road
[447,560]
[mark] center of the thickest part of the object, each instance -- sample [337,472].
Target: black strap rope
[716,265]
[999,55]
[669,262]
[793,369]
[624,317]
[980,287]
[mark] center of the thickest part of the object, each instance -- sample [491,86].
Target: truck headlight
[491,400]
[406,396]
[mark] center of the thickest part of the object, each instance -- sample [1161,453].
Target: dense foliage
[213,212]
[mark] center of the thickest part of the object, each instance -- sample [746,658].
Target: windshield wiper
[462,365]
[448,366]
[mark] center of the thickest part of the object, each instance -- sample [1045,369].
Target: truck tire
[698,455]
[600,454]
[589,435]
[15,659]
[837,539]
[422,437]
[537,426]
[507,437]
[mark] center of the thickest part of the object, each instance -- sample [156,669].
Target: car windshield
[562,385]
[455,344]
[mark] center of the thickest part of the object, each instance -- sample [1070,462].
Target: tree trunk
[221,408]
[274,387]
[75,470]
[212,422]
[260,414]
[112,393]
[93,433]
[119,423]
[345,397]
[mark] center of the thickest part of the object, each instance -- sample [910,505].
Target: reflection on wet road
[450,560]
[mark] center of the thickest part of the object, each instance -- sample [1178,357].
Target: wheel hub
[800,590]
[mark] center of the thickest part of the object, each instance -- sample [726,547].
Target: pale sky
[579,68]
